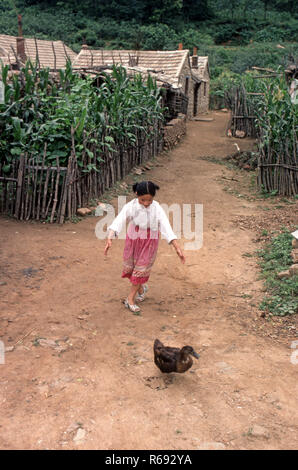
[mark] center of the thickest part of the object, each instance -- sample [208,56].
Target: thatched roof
[50,53]
[165,66]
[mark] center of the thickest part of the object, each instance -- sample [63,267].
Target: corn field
[277,121]
[263,109]
[64,140]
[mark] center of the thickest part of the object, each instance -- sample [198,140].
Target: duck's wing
[168,354]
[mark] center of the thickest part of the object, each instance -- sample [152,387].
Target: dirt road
[79,370]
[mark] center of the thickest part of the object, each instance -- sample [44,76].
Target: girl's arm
[178,250]
[118,223]
[168,234]
[116,227]
[111,235]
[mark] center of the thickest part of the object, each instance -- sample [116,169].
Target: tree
[287,5]
[266,4]
[196,10]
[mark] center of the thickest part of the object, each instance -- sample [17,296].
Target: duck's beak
[194,354]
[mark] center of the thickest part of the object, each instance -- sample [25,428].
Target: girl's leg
[133,291]
[142,293]
[141,289]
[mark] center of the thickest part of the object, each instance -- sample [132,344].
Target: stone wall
[174,131]
[187,86]
[203,98]
[190,87]
[203,89]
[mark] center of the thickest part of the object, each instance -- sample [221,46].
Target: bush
[225,81]
[158,37]
[242,58]
[194,37]
[277,33]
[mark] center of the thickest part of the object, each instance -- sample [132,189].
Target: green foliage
[123,23]
[231,65]
[43,112]
[224,82]
[283,293]
[240,59]
[277,120]
[158,37]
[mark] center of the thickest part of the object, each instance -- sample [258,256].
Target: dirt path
[94,385]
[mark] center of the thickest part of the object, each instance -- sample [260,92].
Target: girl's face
[145,200]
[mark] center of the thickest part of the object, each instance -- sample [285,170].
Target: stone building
[200,68]
[185,78]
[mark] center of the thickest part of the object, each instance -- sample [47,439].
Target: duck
[169,359]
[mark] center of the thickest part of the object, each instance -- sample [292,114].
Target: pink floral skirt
[140,251]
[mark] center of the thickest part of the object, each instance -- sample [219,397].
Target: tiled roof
[45,48]
[165,65]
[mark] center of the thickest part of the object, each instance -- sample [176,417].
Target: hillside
[235,35]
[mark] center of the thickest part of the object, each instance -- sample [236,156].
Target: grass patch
[282,294]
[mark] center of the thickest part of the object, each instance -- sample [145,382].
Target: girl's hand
[108,246]
[180,254]
[178,251]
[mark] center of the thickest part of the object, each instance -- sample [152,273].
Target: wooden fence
[243,114]
[35,191]
[278,172]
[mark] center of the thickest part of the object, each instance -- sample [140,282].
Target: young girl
[146,219]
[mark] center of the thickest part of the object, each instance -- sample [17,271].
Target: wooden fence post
[19,185]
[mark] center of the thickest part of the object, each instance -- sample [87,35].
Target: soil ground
[79,370]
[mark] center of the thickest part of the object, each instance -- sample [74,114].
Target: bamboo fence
[34,191]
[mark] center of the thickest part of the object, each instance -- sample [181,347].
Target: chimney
[133,60]
[21,41]
[20,29]
[85,47]
[180,48]
[194,59]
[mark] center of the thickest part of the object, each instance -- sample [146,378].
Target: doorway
[196,98]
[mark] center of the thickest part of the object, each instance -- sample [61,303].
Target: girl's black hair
[145,187]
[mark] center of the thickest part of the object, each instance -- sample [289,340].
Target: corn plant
[40,109]
[277,120]
[263,109]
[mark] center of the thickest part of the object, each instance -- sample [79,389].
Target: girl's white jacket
[153,217]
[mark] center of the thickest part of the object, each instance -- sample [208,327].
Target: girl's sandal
[133,308]
[141,297]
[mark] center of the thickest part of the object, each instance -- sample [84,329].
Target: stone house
[200,68]
[185,78]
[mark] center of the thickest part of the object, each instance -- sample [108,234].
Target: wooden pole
[55,59]
[19,185]
[56,191]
